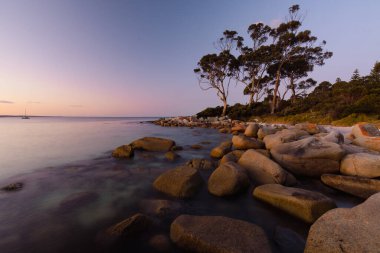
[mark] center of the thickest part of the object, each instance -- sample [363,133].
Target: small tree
[355,75]
[215,71]
[375,71]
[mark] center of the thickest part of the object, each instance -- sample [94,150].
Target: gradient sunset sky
[136,57]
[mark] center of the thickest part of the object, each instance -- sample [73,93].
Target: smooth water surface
[48,141]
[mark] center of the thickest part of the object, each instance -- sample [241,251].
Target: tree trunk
[277,84]
[224,107]
[293,89]
[251,96]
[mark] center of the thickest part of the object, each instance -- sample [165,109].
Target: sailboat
[25,117]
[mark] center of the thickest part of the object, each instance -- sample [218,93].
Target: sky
[136,57]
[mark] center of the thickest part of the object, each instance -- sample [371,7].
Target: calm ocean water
[73,189]
[39,142]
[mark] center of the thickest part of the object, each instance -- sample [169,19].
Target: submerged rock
[263,170]
[288,241]
[219,151]
[309,156]
[218,234]
[160,243]
[160,207]
[361,164]
[125,151]
[228,179]
[347,230]
[13,187]
[153,144]
[182,182]
[201,164]
[132,225]
[171,156]
[357,186]
[78,199]
[196,146]
[243,142]
[305,205]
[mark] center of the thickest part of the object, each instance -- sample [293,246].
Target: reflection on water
[64,208]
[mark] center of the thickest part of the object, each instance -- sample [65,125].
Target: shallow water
[65,208]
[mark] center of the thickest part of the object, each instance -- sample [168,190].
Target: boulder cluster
[272,159]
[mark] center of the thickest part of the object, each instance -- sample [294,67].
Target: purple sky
[136,58]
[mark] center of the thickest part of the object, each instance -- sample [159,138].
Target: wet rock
[288,241]
[309,156]
[357,186]
[311,128]
[283,136]
[219,151]
[347,230]
[224,130]
[263,170]
[201,164]
[160,207]
[132,225]
[171,156]
[366,135]
[232,156]
[160,243]
[251,130]
[305,205]
[243,142]
[196,146]
[176,148]
[13,187]
[228,179]
[153,144]
[182,182]
[218,234]
[78,199]
[266,130]
[361,164]
[125,151]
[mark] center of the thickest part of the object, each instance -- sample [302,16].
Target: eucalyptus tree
[254,61]
[291,45]
[216,71]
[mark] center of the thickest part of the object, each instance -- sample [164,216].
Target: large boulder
[309,157]
[263,170]
[251,130]
[219,151]
[357,186]
[266,130]
[311,128]
[217,234]
[244,142]
[333,136]
[228,179]
[238,128]
[283,136]
[124,151]
[232,156]
[153,144]
[348,230]
[305,205]
[182,182]
[366,135]
[361,164]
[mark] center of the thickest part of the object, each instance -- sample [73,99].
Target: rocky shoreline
[272,159]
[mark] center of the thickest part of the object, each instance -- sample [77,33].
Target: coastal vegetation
[274,66]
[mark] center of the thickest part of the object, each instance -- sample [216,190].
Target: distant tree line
[361,94]
[271,59]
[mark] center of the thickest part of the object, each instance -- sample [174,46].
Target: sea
[73,190]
